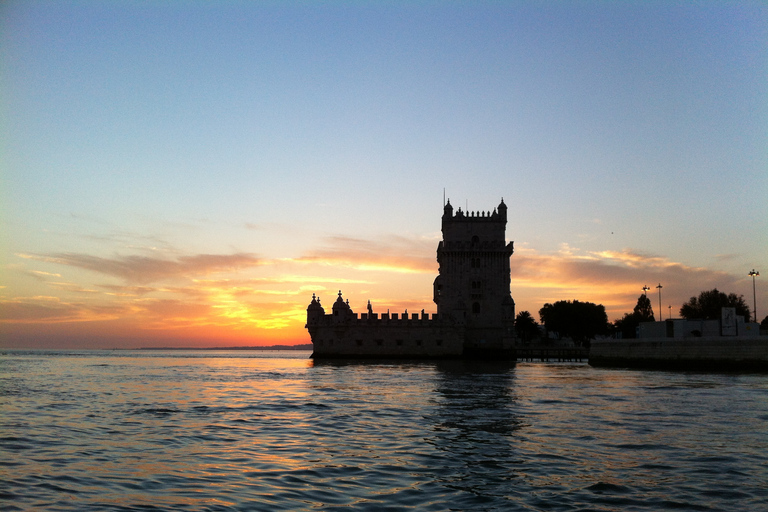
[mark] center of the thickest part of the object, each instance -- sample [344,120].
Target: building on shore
[728,344]
[475,311]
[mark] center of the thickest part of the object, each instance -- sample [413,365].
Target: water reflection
[476,397]
[474,429]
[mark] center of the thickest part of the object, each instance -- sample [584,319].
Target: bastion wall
[704,352]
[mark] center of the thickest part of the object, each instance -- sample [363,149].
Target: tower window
[476,308]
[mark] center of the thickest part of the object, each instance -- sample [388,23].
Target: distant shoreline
[307,346]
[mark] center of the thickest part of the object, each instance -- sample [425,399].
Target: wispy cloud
[394,254]
[126,291]
[143,269]
[605,267]
[43,275]
[47,309]
[279,280]
[71,287]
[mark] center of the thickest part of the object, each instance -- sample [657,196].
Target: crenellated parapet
[499,214]
[342,314]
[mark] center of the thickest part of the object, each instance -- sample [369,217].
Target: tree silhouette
[643,309]
[643,312]
[581,321]
[525,326]
[709,303]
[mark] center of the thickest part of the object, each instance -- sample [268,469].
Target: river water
[204,430]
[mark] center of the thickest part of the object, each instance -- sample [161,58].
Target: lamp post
[670,311]
[754,296]
[645,294]
[660,314]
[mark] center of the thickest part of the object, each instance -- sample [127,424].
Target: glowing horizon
[217,300]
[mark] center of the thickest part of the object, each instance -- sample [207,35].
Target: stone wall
[727,353]
[683,329]
[389,338]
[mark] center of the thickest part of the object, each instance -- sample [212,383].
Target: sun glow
[264,301]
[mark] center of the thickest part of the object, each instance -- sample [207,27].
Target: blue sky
[304,144]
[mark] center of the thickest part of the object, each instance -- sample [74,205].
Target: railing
[551,353]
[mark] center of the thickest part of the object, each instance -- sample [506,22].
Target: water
[201,430]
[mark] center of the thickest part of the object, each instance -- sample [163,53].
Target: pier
[544,353]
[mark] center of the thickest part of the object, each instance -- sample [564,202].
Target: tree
[764,324]
[581,321]
[643,312]
[709,303]
[525,326]
[643,309]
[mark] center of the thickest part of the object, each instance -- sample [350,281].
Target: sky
[190,173]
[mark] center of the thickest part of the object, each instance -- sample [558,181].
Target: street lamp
[645,290]
[754,296]
[660,314]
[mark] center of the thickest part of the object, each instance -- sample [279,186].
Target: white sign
[728,321]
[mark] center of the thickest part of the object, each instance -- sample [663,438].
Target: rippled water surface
[149,430]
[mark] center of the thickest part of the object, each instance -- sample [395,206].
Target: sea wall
[705,353]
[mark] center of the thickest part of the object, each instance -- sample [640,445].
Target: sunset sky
[190,173]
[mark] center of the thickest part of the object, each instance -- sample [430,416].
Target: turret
[341,310]
[315,311]
[502,209]
[447,213]
[448,210]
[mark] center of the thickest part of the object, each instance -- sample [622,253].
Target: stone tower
[472,287]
